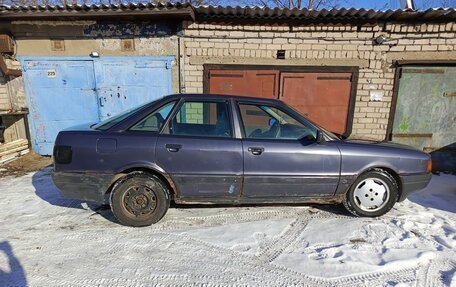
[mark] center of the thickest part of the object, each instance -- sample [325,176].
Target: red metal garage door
[254,83]
[322,97]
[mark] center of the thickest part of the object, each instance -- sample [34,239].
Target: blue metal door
[126,82]
[67,91]
[60,94]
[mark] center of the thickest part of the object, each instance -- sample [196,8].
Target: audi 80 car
[217,149]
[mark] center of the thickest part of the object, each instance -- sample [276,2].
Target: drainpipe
[181,55]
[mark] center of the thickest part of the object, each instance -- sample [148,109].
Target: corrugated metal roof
[182,10]
[344,15]
[226,13]
[95,7]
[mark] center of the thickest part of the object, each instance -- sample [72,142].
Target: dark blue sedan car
[214,149]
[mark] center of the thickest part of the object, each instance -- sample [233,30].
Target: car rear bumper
[82,186]
[412,183]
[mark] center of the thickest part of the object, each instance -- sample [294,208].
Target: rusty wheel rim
[140,200]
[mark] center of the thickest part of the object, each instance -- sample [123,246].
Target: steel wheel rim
[140,200]
[371,194]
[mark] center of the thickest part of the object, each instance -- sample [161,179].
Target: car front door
[198,150]
[282,156]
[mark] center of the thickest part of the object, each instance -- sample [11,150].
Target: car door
[282,156]
[198,150]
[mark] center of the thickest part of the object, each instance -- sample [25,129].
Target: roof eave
[180,14]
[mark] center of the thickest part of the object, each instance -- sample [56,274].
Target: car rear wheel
[139,199]
[373,194]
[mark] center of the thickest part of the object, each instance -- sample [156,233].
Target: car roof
[219,96]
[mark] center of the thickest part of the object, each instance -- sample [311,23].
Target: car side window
[202,118]
[269,122]
[155,120]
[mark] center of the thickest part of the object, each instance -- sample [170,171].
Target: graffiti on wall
[128,30]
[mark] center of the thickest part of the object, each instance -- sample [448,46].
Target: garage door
[63,92]
[323,97]
[124,82]
[254,83]
[425,114]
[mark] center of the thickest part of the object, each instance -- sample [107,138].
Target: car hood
[380,144]
[381,149]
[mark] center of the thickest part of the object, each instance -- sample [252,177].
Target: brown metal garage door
[323,97]
[254,83]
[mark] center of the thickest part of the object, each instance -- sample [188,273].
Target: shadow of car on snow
[47,191]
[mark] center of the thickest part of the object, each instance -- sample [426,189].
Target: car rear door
[198,150]
[282,156]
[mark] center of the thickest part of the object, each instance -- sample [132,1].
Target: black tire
[352,200]
[139,199]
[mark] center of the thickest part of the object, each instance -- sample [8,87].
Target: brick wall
[194,113]
[321,45]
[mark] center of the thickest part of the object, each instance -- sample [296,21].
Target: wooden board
[13,150]
[13,144]
[13,156]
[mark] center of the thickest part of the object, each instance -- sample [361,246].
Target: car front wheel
[139,199]
[373,194]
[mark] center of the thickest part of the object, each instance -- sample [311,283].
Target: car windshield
[331,134]
[110,122]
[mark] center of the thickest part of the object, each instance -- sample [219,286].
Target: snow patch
[48,240]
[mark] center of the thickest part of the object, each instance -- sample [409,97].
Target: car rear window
[112,121]
[154,121]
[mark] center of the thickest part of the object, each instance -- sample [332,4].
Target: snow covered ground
[47,240]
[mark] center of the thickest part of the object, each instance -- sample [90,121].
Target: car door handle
[173,147]
[256,150]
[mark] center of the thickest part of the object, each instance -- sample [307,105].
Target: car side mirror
[320,137]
